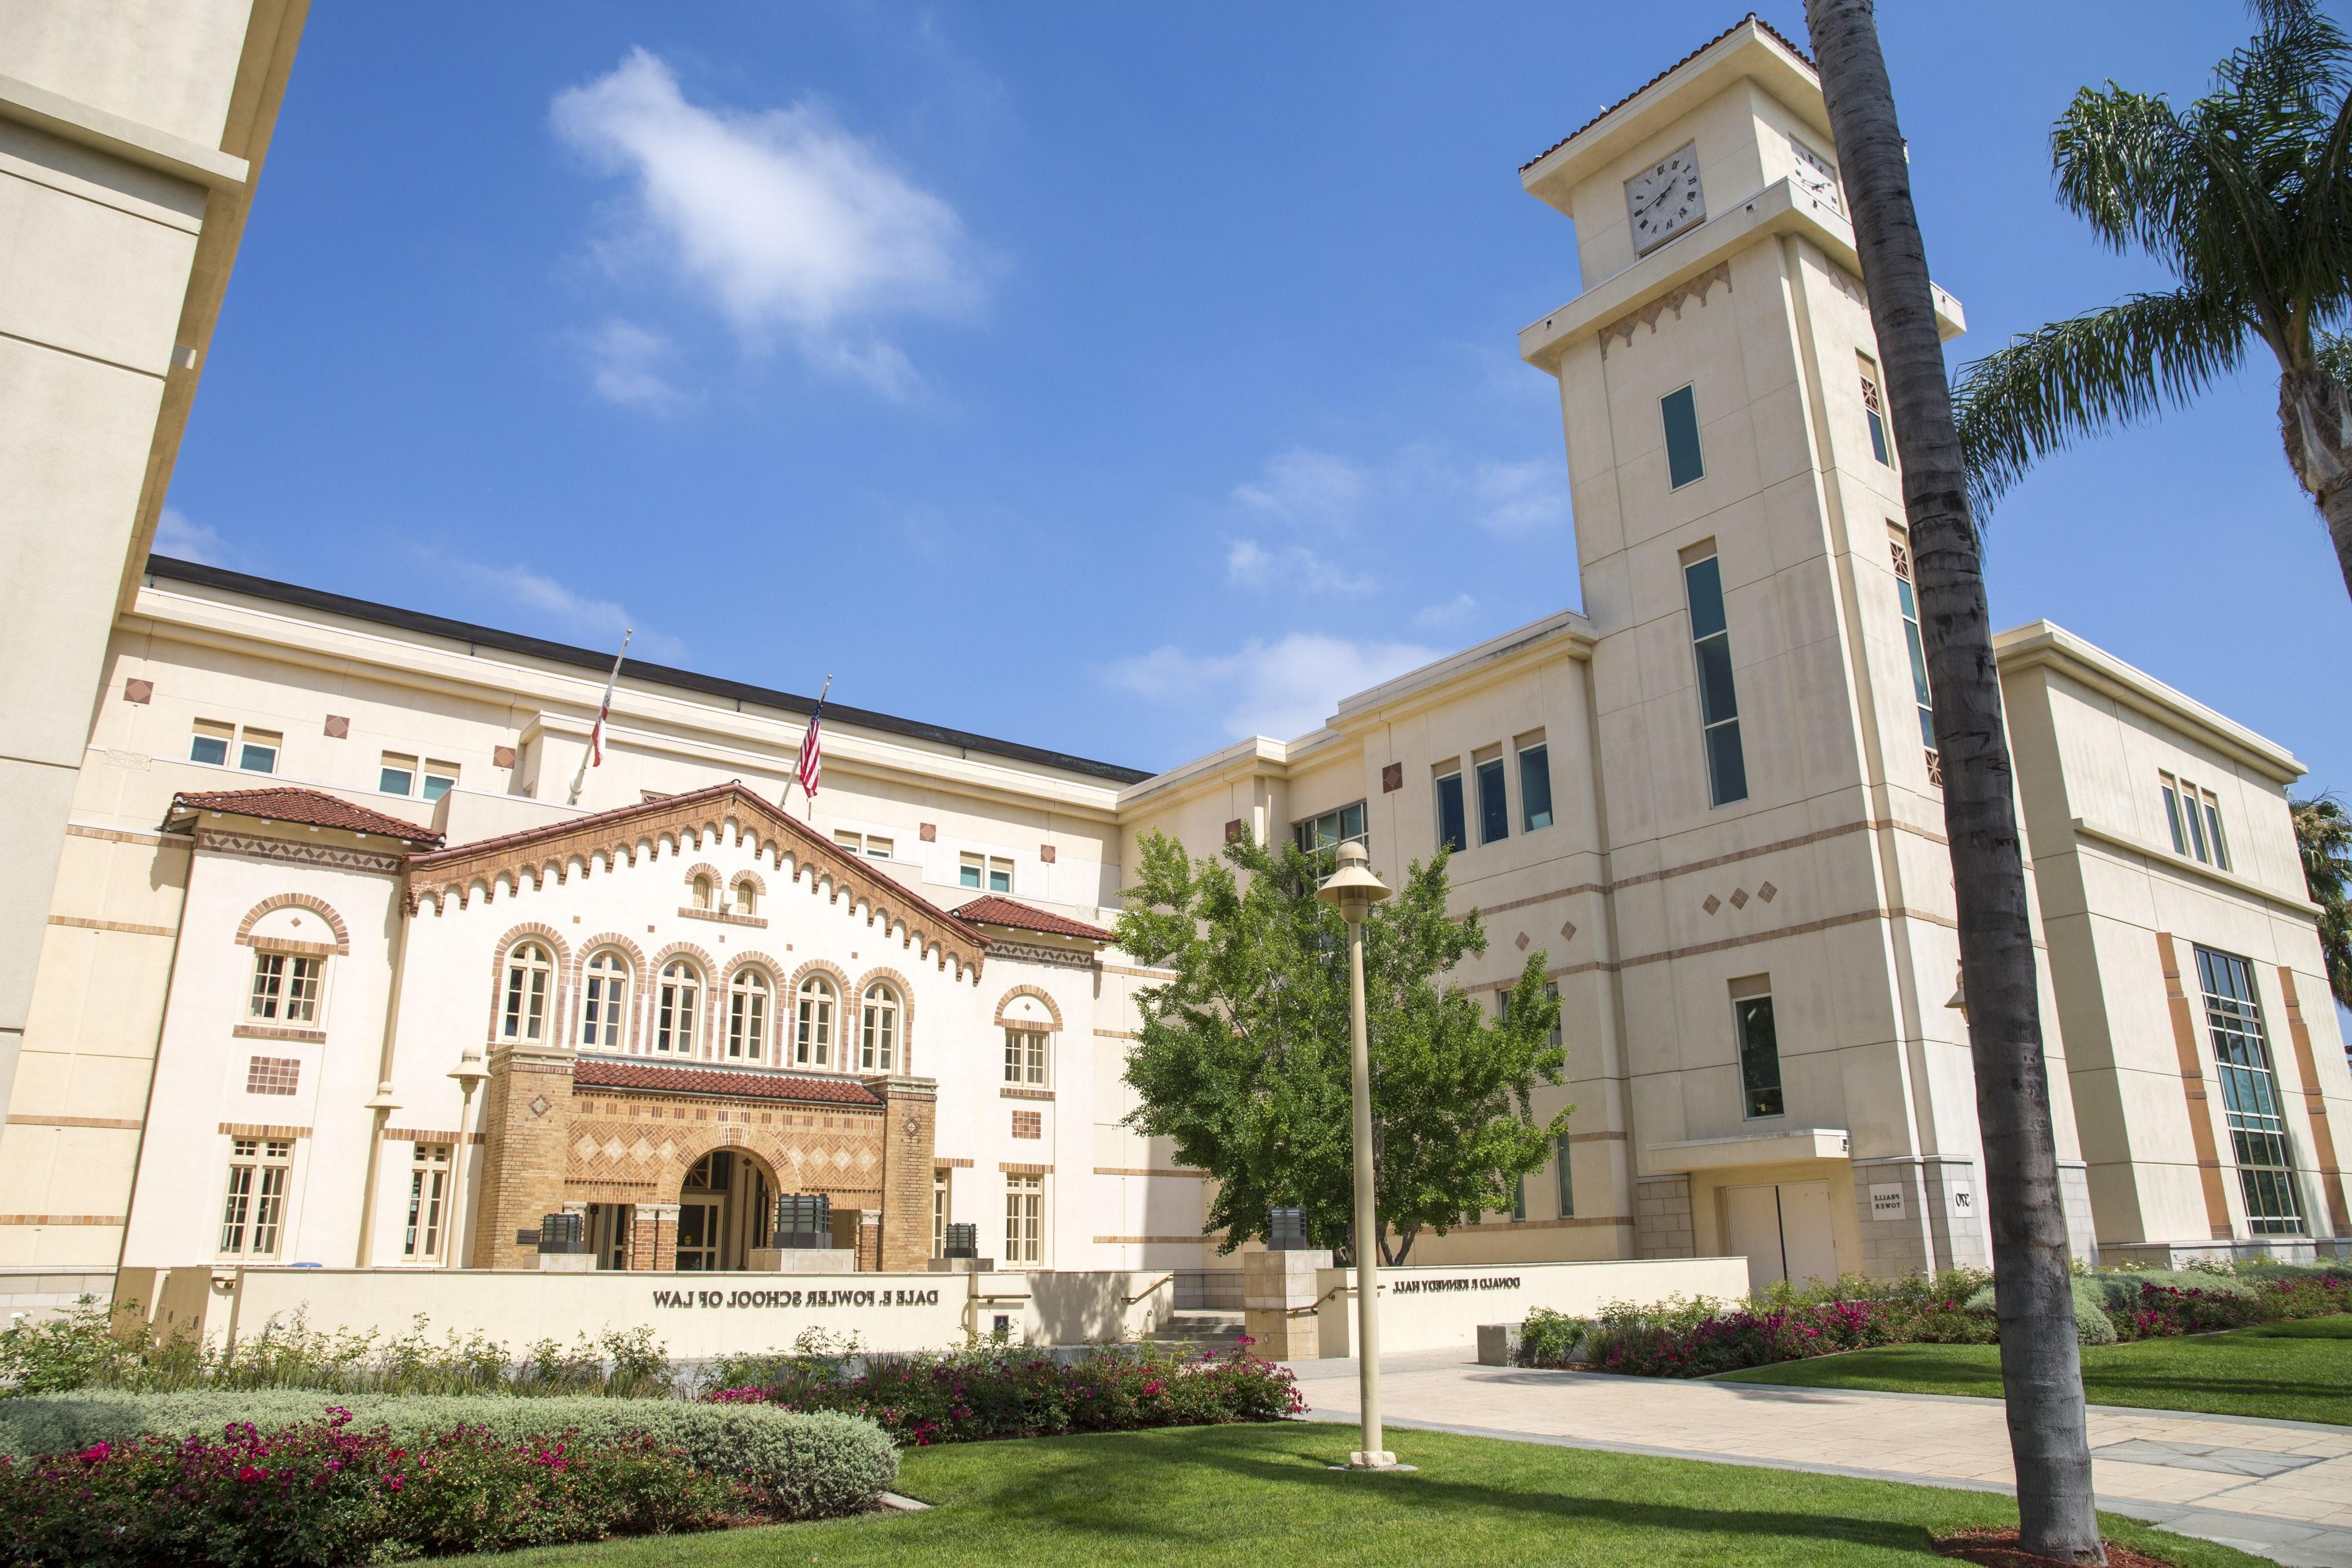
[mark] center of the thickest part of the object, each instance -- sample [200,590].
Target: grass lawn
[1262,1496]
[2291,1372]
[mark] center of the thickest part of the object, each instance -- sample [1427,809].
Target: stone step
[1199,1328]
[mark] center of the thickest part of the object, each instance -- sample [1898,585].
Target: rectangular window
[286,988]
[253,1211]
[1683,463]
[1520,1198]
[440,777]
[1551,994]
[2194,815]
[1000,875]
[1910,603]
[971,870]
[2172,814]
[1535,788]
[1873,410]
[2250,1094]
[878,847]
[1025,1058]
[428,1196]
[396,774]
[211,742]
[853,843]
[1025,1218]
[1331,830]
[258,752]
[988,872]
[1567,1180]
[272,1075]
[1453,822]
[941,1176]
[1760,1049]
[1494,807]
[1718,703]
[2213,827]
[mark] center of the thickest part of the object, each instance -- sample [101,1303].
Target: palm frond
[2114,366]
[2119,158]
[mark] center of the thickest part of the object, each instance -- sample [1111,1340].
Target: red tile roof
[992,910]
[309,807]
[1766,27]
[659,1078]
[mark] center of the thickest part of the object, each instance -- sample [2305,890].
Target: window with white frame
[991,872]
[428,1198]
[1494,797]
[1873,412]
[395,774]
[873,846]
[252,1214]
[1759,1038]
[676,996]
[942,1177]
[747,1016]
[1534,782]
[220,745]
[1028,1057]
[2194,816]
[440,777]
[2250,1094]
[285,987]
[212,742]
[813,1033]
[1024,1219]
[1332,829]
[877,1034]
[1907,600]
[531,980]
[1452,816]
[604,1002]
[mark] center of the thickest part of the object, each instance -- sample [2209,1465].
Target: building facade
[351,959]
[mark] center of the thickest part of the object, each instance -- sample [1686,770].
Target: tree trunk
[2039,1362]
[2316,424]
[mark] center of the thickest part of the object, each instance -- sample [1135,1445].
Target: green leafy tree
[2245,196]
[2324,833]
[1242,1057]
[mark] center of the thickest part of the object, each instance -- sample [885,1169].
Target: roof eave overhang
[2043,644]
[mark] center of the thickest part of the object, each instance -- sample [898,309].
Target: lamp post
[1352,889]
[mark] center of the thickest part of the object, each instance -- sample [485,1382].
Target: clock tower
[1785,953]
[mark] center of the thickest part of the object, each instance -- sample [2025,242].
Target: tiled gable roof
[992,910]
[310,808]
[1759,22]
[660,1078]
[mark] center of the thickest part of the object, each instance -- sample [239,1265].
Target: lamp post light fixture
[1352,889]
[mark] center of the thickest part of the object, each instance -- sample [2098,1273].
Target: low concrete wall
[37,1294]
[1441,1307]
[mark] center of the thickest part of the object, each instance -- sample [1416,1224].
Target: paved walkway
[2281,1489]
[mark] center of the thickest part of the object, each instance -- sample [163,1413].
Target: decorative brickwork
[311,902]
[1028,1124]
[910,1120]
[273,1075]
[526,1120]
[1006,1000]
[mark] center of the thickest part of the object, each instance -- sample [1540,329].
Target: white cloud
[1452,613]
[593,623]
[1281,689]
[177,536]
[784,221]
[1294,568]
[1519,498]
[1305,487]
[625,364]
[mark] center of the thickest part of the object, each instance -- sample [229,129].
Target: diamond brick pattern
[1739,898]
[1568,930]
[1768,893]
[1520,941]
[1712,904]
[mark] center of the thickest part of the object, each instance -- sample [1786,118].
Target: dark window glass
[1683,463]
[1759,1056]
[1453,826]
[2250,1094]
[1332,829]
[212,748]
[1494,810]
[2172,815]
[1703,582]
[1567,1182]
[1535,788]
[1718,701]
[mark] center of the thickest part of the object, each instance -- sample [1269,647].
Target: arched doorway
[724,1210]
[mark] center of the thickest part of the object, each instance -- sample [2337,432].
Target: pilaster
[526,1120]
[909,1117]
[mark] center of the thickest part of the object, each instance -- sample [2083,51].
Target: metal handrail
[1168,1278]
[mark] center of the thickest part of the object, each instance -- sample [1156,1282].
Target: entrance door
[1784,1231]
[1753,1214]
[1806,1241]
[698,1233]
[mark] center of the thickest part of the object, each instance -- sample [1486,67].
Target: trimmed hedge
[2092,1325]
[805,1466]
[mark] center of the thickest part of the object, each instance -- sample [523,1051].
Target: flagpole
[580,779]
[794,778]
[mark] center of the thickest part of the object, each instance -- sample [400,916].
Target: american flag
[811,751]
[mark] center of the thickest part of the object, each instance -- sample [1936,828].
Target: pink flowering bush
[1006,1391]
[323,1493]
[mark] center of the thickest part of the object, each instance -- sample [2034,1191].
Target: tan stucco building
[323,874]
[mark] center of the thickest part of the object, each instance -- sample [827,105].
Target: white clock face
[1815,174]
[1664,199]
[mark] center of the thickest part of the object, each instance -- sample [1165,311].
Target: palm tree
[2246,197]
[2041,1367]
[2324,833]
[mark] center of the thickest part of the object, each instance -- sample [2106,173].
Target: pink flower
[97,1451]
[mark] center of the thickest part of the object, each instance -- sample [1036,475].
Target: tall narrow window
[1551,994]
[1025,1058]
[286,988]
[253,1211]
[747,897]
[1518,1197]
[2172,814]
[1873,410]
[1760,1050]
[1025,1218]
[603,1004]
[1718,703]
[747,1016]
[1535,788]
[813,1040]
[705,894]
[1567,1179]
[941,1176]
[1453,819]
[1909,602]
[1679,409]
[877,1033]
[675,1001]
[2250,1094]
[1494,808]
[428,1191]
[531,975]
[2213,829]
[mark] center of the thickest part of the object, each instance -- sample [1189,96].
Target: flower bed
[996,1391]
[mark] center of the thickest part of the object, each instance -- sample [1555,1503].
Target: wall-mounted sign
[1887,1200]
[674,1300]
[1964,1200]
[1491,1282]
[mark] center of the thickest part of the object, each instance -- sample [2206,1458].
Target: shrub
[798,1466]
[1550,1339]
[2092,1326]
[1004,1391]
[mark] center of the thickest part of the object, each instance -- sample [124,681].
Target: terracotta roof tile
[309,807]
[660,1078]
[992,910]
[1766,27]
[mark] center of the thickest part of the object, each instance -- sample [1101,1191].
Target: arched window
[530,974]
[813,1045]
[747,1016]
[746,897]
[680,990]
[877,1039]
[604,1003]
[703,891]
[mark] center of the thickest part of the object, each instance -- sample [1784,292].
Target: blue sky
[1114,379]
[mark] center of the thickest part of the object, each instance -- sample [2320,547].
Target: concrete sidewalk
[2281,1489]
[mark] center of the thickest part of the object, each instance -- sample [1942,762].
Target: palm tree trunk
[2316,424]
[2039,1362]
